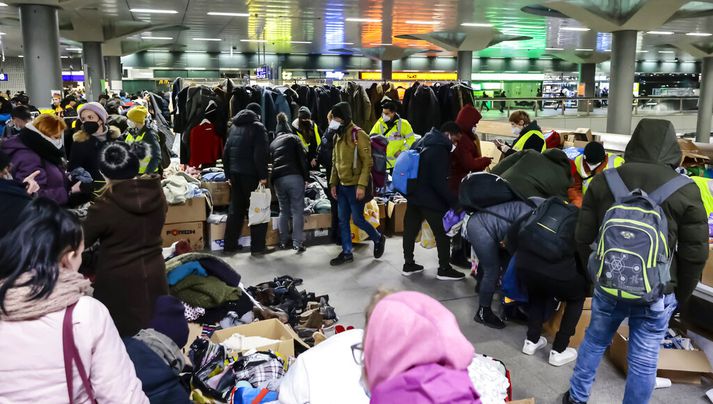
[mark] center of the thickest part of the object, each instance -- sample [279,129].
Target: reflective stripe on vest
[613,161]
[521,143]
[316,136]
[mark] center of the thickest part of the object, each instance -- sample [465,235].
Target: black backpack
[548,232]
[481,190]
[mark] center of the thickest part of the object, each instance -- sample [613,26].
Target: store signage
[423,76]
[262,72]
[3,77]
[73,76]
[335,75]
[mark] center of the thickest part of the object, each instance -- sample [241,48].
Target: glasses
[358,353]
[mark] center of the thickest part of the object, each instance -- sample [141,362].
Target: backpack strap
[71,354]
[616,185]
[669,188]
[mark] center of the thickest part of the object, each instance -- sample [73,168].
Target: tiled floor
[351,286]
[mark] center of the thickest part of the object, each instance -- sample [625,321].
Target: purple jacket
[53,180]
[427,384]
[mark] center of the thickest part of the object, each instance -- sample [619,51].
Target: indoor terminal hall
[356,201]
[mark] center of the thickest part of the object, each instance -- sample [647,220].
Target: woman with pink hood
[414,352]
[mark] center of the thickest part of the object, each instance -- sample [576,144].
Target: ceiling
[323,26]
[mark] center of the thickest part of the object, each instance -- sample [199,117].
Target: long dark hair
[44,233]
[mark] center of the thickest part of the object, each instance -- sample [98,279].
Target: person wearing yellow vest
[139,131]
[594,160]
[529,135]
[705,184]
[397,131]
[307,131]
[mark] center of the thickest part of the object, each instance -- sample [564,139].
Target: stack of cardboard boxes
[185,222]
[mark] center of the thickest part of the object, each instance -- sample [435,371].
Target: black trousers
[240,188]
[413,218]
[540,291]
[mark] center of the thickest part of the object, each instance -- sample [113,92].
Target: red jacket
[466,158]
[206,145]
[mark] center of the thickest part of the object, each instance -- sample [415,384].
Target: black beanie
[118,162]
[594,153]
[169,319]
[342,111]
[304,113]
[255,107]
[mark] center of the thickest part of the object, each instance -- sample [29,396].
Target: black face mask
[90,127]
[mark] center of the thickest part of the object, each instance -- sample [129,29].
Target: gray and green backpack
[632,258]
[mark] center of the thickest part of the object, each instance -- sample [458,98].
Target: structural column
[93,69]
[705,102]
[40,40]
[387,69]
[587,72]
[113,71]
[621,84]
[465,65]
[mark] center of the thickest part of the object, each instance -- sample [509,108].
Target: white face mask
[131,124]
[516,130]
[475,132]
[385,117]
[334,125]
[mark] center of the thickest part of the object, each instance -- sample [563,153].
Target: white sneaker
[562,358]
[529,348]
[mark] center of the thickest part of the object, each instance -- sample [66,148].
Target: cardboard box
[193,232]
[318,221]
[382,211]
[525,401]
[318,236]
[193,210]
[691,155]
[707,278]
[288,344]
[496,128]
[488,149]
[215,233]
[219,192]
[194,331]
[551,327]
[679,365]
[397,211]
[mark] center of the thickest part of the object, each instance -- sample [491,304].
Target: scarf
[38,144]
[164,347]
[69,288]
[102,137]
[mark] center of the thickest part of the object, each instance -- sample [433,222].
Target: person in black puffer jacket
[245,164]
[289,174]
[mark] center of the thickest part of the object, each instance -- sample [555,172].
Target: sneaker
[567,399]
[342,258]
[379,247]
[530,347]
[562,358]
[411,268]
[299,248]
[449,274]
[486,317]
[284,246]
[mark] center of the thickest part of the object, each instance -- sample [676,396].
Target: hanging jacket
[534,174]
[150,163]
[362,113]
[269,111]
[582,176]
[288,157]
[206,145]
[650,156]
[399,134]
[281,104]
[424,111]
[431,185]
[246,150]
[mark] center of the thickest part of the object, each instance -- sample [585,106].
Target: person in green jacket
[397,131]
[351,171]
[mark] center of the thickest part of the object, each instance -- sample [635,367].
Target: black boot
[567,399]
[486,317]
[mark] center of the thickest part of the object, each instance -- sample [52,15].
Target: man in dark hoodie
[429,198]
[245,164]
[651,156]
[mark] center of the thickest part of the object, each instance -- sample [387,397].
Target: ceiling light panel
[158,38]
[363,20]
[660,32]
[152,11]
[223,14]
[576,29]
[208,39]
[476,24]
[699,34]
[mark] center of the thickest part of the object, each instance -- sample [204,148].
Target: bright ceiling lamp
[578,29]
[476,24]
[699,34]
[584,50]
[554,49]
[660,32]
[208,39]
[665,51]
[301,42]
[363,20]
[222,14]
[158,38]
[642,51]
[3,4]
[341,43]
[419,22]
[152,11]
[74,49]
[254,40]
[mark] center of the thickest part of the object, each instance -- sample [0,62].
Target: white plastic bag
[259,211]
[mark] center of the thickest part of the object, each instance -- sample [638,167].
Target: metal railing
[586,106]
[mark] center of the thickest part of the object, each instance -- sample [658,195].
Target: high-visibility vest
[704,184]
[520,144]
[144,162]
[304,141]
[400,137]
[613,161]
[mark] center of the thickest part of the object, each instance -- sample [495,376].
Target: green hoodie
[651,155]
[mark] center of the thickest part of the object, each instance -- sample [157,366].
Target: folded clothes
[214,177]
[192,313]
[221,270]
[216,218]
[182,271]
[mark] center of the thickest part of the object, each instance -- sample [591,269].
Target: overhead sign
[423,76]
[335,75]
[3,77]
[262,72]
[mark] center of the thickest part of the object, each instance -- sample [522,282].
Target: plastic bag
[371,214]
[425,236]
[259,211]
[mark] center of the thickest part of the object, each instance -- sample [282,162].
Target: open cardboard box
[288,343]
[678,365]
[551,327]
[219,192]
[193,210]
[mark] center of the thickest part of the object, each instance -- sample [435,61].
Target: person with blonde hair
[40,147]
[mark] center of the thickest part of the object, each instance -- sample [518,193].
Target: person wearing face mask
[88,141]
[594,160]
[307,131]
[351,169]
[324,158]
[466,157]
[19,118]
[397,131]
[529,135]
[140,132]
[38,147]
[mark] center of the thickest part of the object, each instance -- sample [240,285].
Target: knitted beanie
[594,153]
[118,162]
[138,114]
[342,111]
[255,107]
[97,108]
[304,113]
[169,319]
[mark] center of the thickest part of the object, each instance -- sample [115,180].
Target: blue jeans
[291,196]
[647,327]
[349,207]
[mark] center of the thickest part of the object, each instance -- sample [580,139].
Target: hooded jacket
[414,352]
[531,173]
[650,157]
[29,152]
[246,150]
[288,157]
[130,270]
[85,153]
[431,189]
[344,170]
